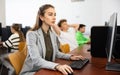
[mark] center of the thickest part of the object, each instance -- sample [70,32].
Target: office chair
[65,48]
[17,58]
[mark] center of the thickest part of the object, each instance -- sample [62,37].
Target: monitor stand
[113,66]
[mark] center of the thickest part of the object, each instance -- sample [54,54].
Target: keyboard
[78,64]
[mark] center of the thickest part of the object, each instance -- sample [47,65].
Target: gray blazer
[35,59]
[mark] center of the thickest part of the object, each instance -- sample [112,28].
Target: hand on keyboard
[78,64]
[73,57]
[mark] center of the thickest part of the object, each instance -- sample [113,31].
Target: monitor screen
[111,39]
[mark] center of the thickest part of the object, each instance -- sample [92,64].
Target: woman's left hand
[74,57]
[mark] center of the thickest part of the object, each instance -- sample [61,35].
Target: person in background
[14,40]
[13,44]
[42,45]
[81,39]
[66,33]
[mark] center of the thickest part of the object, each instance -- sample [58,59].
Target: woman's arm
[12,40]
[56,29]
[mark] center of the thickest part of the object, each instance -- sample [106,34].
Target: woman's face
[49,17]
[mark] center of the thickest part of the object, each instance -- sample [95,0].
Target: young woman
[13,44]
[42,45]
[14,40]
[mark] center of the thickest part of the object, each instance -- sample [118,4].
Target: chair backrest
[17,58]
[65,48]
[22,46]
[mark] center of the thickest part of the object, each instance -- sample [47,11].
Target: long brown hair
[16,27]
[41,12]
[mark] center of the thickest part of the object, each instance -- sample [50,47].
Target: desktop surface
[96,65]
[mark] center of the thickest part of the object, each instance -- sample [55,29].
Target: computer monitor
[111,40]
[5,34]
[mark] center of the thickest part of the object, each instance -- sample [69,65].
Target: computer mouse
[70,73]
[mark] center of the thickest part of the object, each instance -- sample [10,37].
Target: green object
[81,39]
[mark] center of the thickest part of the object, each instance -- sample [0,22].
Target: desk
[96,66]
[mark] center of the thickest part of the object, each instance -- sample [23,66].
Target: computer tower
[98,41]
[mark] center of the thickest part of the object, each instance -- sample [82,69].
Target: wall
[89,12]
[2,12]
[24,11]
[109,7]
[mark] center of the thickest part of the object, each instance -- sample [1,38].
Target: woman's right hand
[65,69]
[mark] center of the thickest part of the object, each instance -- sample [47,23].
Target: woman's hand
[65,69]
[73,57]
